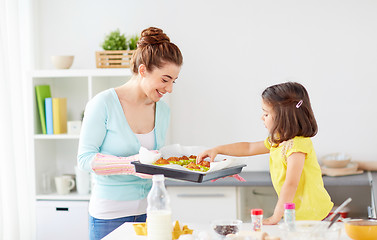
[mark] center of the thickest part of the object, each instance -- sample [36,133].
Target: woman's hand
[273,220]
[211,153]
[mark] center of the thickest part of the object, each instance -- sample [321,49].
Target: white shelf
[100,72]
[56,154]
[55,136]
[69,197]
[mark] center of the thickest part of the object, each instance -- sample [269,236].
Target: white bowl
[62,62]
[224,227]
[311,230]
[336,160]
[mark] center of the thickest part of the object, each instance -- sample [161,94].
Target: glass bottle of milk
[159,224]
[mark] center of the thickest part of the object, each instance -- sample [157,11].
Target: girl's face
[159,81]
[267,116]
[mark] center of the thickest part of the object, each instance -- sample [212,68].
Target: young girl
[295,172]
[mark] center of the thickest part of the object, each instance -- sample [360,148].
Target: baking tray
[186,175]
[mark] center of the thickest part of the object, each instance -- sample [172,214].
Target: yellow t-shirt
[312,200]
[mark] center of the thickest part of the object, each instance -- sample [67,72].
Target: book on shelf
[59,115]
[42,92]
[49,121]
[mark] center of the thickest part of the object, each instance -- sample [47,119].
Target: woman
[117,122]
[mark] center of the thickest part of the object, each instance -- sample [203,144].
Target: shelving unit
[69,197]
[57,136]
[54,155]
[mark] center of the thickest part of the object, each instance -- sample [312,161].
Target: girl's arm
[240,149]
[295,165]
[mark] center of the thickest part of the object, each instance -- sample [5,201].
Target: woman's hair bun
[154,49]
[152,36]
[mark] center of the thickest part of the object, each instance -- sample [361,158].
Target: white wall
[232,51]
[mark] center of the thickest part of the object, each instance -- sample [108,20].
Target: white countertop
[126,231]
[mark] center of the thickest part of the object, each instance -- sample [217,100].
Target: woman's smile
[160,94]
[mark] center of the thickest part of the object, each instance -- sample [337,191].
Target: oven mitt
[103,164]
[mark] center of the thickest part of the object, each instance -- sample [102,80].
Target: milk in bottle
[159,223]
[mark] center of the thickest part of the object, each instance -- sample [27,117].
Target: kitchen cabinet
[54,155]
[258,192]
[263,197]
[62,220]
[202,204]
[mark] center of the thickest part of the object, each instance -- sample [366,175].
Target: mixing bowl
[311,230]
[336,160]
[361,229]
[224,227]
[62,62]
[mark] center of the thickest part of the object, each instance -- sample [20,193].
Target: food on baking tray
[187,162]
[192,166]
[174,160]
[204,163]
[197,167]
[161,161]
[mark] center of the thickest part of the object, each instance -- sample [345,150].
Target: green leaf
[115,41]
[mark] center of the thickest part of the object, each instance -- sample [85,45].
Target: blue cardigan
[105,130]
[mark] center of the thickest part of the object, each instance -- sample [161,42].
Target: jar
[256,219]
[289,215]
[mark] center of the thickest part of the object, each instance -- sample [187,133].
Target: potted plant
[117,52]
[115,41]
[132,42]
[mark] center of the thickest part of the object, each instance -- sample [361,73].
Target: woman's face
[267,116]
[160,81]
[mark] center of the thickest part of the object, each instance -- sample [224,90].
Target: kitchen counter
[339,188]
[264,179]
[126,231]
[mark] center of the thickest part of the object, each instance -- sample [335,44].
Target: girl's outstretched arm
[240,149]
[295,165]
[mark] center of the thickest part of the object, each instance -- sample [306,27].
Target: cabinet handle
[200,195]
[261,194]
[62,209]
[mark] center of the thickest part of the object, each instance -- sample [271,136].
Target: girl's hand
[271,220]
[211,153]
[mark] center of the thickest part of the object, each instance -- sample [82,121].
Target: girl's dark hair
[291,118]
[154,49]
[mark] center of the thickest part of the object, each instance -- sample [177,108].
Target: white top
[111,209]
[146,140]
